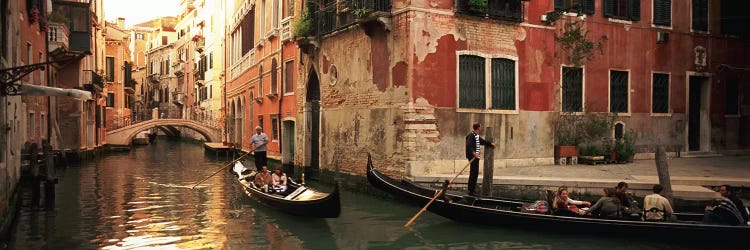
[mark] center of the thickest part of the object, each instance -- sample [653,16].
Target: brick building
[118,72]
[404,80]
[33,38]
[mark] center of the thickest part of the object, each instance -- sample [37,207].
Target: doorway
[288,143]
[313,117]
[698,116]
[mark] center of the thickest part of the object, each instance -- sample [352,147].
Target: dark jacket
[740,206]
[471,144]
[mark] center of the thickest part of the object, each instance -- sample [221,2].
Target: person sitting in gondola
[608,206]
[723,211]
[565,206]
[278,179]
[263,179]
[656,207]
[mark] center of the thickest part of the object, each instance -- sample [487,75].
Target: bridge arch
[123,136]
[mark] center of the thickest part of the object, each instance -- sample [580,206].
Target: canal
[143,199]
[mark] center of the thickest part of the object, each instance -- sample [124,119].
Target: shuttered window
[583,6]
[700,15]
[618,91]
[733,93]
[660,93]
[623,9]
[503,84]
[663,12]
[471,82]
[479,90]
[572,99]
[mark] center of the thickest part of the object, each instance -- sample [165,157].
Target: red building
[33,51]
[404,80]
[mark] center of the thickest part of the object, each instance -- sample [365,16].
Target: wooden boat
[297,199]
[507,212]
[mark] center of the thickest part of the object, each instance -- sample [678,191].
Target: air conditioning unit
[662,37]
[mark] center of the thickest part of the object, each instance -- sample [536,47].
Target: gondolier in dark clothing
[259,141]
[473,140]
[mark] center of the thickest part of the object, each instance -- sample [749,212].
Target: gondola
[297,199]
[506,212]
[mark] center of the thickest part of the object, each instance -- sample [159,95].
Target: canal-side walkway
[690,177]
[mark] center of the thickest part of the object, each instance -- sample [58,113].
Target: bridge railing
[124,121]
[209,121]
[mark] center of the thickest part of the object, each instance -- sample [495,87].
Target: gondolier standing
[473,140]
[259,141]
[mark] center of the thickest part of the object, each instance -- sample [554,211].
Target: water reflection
[143,199]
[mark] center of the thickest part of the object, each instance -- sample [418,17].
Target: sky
[138,11]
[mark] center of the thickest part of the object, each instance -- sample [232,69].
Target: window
[289,77]
[275,127]
[210,91]
[733,93]
[110,69]
[660,93]
[262,18]
[289,8]
[32,126]
[42,125]
[164,40]
[572,88]
[700,15]
[582,6]
[260,121]
[3,39]
[623,9]
[166,67]
[139,36]
[110,100]
[29,60]
[274,77]
[41,72]
[247,28]
[476,92]
[211,60]
[663,12]
[733,18]
[260,80]
[618,91]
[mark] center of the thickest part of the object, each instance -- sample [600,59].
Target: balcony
[508,10]
[338,15]
[242,65]
[178,98]
[199,77]
[79,25]
[93,82]
[286,30]
[130,86]
[154,78]
[58,37]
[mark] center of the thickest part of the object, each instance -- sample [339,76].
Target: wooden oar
[438,194]
[222,168]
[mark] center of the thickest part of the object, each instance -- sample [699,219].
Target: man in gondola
[258,146]
[473,140]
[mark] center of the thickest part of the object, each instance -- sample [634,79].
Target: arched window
[260,80]
[274,77]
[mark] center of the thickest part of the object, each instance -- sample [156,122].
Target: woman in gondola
[608,206]
[565,206]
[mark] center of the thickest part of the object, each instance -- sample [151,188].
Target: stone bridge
[123,135]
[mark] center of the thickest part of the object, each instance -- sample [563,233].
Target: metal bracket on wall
[9,77]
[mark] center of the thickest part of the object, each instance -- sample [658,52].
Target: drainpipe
[281,98]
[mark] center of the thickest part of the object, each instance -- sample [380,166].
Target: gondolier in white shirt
[259,141]
[473,140]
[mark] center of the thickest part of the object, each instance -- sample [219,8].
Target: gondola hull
[500,212]
[300,200]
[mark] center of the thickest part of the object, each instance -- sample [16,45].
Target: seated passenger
[622,195]
[263,178]
[663,208]
[722,211]
[608,206]
[278,179]
[564,205]
[726,191]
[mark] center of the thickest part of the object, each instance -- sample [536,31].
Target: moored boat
[298,199]
[507,212]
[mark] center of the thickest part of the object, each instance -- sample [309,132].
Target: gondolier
[259,141]
[473,140]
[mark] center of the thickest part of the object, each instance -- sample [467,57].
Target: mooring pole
[489,164]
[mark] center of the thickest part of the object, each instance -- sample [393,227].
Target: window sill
[572,113]
[289,94]
[622,114]
[487,111]
[662,27]
[620,21]
[661,114]
[700,32]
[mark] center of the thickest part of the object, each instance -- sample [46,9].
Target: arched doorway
[313,117]
[230,122]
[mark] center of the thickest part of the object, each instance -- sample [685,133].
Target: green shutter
[572,89]
[733,94]
[618,92]
[634,10]
[588,6]
[700,15]
[559,4]
[609,8]
[471,82]
[503,84]
[660,93]
[663,12]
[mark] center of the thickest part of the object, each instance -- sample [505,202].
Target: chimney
[121,22]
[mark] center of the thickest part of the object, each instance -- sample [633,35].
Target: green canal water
[143,199]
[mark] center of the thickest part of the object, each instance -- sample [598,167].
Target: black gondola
[297,199]
[505,212]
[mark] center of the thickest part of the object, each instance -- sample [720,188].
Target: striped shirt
[476,138]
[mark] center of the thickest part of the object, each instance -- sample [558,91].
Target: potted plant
[568,135]
[303,31]
[625,147]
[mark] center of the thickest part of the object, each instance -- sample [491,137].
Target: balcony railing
[286,30]
[130,84]
[58,36]
[338,15]
[241,66]
[509,10]
[178,98]
[154,78]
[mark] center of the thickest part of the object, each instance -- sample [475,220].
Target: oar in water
[222,168]
[438,194]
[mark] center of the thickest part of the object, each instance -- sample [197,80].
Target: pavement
[690,177]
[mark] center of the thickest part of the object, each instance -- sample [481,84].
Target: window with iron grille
[289,77]
[110,69]
[110,100]
[274,77]
[572,88]
[275,127]
[579,6]
[618,91]
[623,9]
[700,15]
[660,93]
[663,12]
[733,91]
[260,81]
[474,88]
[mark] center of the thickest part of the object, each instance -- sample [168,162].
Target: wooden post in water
[489,164]
[34,164]
[49,184]
[662,169]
